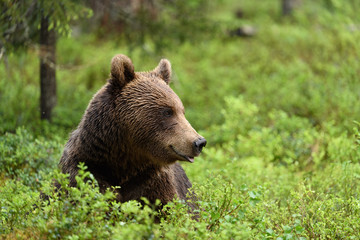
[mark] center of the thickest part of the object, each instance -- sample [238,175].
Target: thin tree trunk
[287,7]
[47,69]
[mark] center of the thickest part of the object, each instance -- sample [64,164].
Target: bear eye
[168,112]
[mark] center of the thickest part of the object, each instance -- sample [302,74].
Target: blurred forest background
[272,85]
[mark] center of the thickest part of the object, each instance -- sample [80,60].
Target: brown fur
[132,134]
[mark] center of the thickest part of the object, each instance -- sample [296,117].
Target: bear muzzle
[197,146]
[183,156]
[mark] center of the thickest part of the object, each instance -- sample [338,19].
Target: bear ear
[122,70]
[164,70]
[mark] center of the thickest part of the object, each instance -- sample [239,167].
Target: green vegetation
[280,112]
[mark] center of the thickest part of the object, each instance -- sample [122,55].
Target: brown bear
[132,134]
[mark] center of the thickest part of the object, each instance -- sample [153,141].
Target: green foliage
[22,156]
[279,138]
[280,112]
[148,26]
[16,200]
[20,20]
[74,212]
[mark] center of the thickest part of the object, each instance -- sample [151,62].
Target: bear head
[151,114]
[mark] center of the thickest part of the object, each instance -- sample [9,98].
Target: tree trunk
[287,7]
[47,69]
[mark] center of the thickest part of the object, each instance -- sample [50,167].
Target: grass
[279,111]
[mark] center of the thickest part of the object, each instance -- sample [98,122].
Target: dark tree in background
[287,6]
[24,23]
[47,68]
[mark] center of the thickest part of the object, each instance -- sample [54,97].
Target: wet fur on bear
[132,134]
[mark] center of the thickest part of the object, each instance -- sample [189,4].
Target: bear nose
[199,144]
